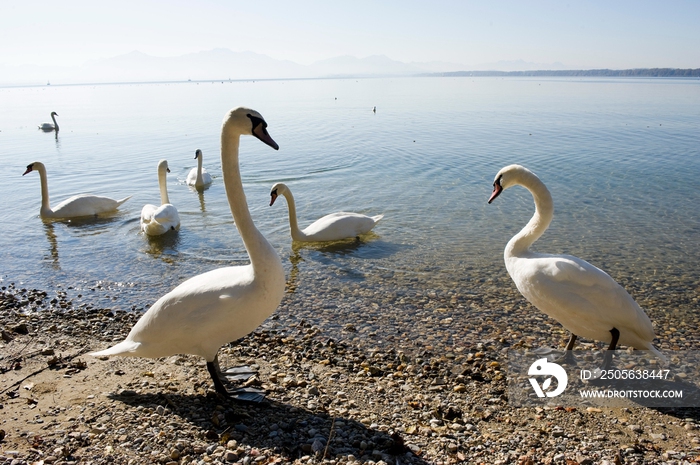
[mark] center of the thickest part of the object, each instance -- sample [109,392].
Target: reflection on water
[342,247]
[53,245]
[202,206]
[163,247]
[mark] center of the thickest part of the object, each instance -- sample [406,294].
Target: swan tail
[377,218]
[119,202]
[657,352]
[123,348]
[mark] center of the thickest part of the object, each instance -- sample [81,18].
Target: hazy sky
[581,34]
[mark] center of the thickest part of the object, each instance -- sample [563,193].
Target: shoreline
[345,394]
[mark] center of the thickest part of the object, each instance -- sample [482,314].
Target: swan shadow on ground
[251,424]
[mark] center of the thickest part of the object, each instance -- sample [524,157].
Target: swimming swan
[198,177]
[76,206]
[333,227]
[222,305]
[159,220]
[583,298]
[48,127]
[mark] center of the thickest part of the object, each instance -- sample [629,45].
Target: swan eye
[257,121]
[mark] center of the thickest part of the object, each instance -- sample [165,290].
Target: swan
[332,227]
[225,304]
[48,127]
[78,205]
[159,220]
[580,296]
[198,177]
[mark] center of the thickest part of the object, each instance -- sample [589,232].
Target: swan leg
[611,349]
[215,373]
[568,357]
[246,394]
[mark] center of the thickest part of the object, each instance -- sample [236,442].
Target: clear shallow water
[621,157]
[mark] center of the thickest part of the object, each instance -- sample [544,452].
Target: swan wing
[85,205]
[159,220]
[200,315]
[583,298]
[192,177]
[340,225]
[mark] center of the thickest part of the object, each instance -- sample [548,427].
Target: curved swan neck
[538,224]
[55,124]
[45,203]
[255,243]
[297,234]
[163,185]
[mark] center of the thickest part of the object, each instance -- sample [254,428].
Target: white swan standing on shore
[198,177]
[159,220]
[583,298]
[332,227]
[48,127]
[222,305]
[76,206]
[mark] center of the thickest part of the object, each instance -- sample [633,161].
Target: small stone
[636,428]
[230,456]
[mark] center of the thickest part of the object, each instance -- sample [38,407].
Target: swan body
[225,304]
[332,227]
[73,207]
[48,127]
[198,177]
[157,220]
[580,296]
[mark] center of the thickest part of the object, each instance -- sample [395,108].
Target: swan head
[53,113]
[163,166]
[246,121]
[277,190]
[197,154]
[509,176]
[37,165]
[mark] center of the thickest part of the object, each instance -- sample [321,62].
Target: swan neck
[55,124]
[297,234]
[45,203]
[259,249]
[163,185]
[199,180]
[538,224]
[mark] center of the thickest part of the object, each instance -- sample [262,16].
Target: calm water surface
[621,157]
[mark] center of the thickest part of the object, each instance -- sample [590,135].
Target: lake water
[620,156]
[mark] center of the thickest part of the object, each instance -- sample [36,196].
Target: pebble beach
[367,388]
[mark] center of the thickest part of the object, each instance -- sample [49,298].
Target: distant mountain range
[224,64]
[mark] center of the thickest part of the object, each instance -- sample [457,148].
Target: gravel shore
[350,395]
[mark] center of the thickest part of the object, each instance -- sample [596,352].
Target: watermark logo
[552,370]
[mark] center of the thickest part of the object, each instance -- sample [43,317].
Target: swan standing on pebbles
[583,298]
[198,177]
[222,305]
[159,220]
[76,206]
[333,227]
[48,127]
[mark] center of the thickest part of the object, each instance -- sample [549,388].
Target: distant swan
[198,177]
[159,220]
[76,206]
[332,227]
[48,127]
[583,298]
[225,304]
